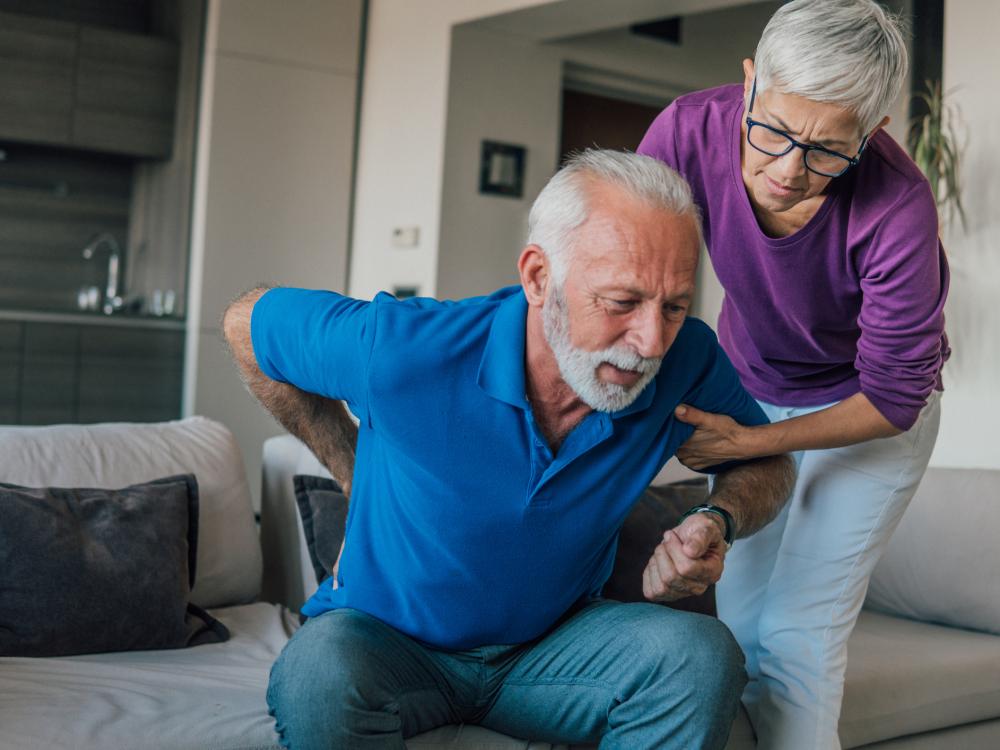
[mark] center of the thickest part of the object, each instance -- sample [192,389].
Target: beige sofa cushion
[118,455]
[205,697]
[943,563]
[906,677]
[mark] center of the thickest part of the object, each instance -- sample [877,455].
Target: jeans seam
[584,681]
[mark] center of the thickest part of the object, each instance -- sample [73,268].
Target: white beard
[578,367]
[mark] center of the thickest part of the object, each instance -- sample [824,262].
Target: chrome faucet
[112,299]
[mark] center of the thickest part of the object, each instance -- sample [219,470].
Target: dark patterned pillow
[95,570]
[323,509]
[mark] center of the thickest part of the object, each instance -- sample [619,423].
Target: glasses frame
[852,161]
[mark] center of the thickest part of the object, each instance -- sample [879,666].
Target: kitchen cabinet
[126,86]
[69,84]
[10,370]
[66,372]
[129,375]
[49,369]
[37,78]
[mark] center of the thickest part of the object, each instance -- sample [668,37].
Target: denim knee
[700,653]
[717,659]
[317,690]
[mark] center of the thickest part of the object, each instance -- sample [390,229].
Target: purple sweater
[853,301]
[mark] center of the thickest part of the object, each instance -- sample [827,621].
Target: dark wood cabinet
[37,78]
[126,87]
[11,349]
[49,368]
[54,373]
[130,375]
[68,84]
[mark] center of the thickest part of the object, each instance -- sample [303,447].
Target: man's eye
[621,304]
[675,310]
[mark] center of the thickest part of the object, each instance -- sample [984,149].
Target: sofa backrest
[288,572]
[943,562]
[117,455]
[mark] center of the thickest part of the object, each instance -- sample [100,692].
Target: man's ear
[533,268]
[748,73]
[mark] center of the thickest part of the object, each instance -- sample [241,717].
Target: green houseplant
[936,148]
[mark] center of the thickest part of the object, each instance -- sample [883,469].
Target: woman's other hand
[717,438]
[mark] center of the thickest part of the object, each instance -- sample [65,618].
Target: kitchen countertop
[124,320]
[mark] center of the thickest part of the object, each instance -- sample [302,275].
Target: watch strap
[722,513]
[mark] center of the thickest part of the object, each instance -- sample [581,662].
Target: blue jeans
[625,675]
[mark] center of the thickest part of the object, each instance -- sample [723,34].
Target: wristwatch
[722,513]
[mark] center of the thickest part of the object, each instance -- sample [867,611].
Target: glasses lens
[767,140]
[826,163]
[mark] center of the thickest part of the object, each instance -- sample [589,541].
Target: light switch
[405,236]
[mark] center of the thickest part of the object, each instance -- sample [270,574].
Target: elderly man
[502,442]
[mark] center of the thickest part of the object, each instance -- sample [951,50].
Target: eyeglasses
[774,142]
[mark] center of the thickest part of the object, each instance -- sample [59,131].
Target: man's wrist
[728,523]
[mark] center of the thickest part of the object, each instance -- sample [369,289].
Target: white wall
[273,182]
[970,410]
[402,137]
[509,88]
[403,114]
[506,89]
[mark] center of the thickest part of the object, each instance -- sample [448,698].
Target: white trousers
[791,593]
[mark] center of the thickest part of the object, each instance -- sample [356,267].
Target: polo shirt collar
[501,370]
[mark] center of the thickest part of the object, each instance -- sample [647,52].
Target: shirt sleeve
[719,391]
[318,341]
[904,283]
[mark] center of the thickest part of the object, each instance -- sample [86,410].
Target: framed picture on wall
[501,169]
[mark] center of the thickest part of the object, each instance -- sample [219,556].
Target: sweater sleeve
[660,140]
[904,283]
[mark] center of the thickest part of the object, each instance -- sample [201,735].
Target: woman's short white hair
[847,52]
[563,204]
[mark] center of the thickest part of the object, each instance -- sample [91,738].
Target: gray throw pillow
[95,570]
[323,509]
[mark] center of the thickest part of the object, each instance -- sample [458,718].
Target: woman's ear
[533,268]
[748,74]
[882,124]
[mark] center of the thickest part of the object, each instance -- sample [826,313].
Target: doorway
[595,121]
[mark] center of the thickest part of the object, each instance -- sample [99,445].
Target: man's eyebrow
[633,292]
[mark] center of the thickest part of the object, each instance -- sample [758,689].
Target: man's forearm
[321,423]
[754,492]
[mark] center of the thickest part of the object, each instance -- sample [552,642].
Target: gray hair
[563,204]
[847,52]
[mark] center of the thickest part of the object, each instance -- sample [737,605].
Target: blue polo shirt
[464,529]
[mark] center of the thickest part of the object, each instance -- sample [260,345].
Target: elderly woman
[824,236]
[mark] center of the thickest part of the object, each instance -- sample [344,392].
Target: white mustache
[627,359]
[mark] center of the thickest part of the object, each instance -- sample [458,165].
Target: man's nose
[648,336]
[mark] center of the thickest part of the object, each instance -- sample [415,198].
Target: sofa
[911,684]
[921,673]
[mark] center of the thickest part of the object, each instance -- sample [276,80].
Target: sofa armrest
[288,572]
